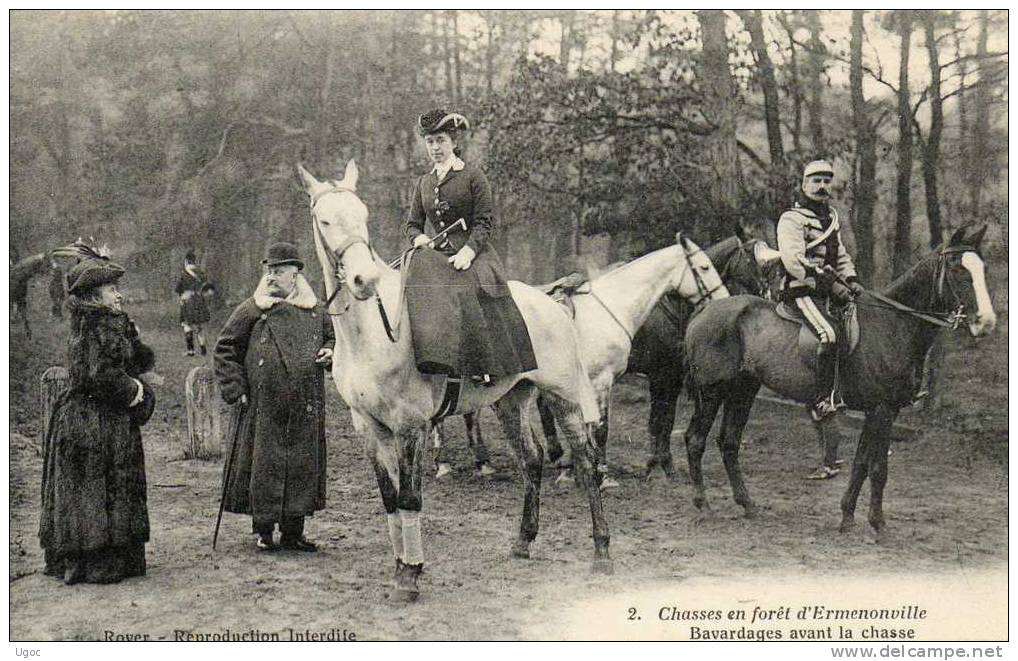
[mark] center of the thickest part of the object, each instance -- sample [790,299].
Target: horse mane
[907,278]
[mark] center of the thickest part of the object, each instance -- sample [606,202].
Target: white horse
[392,403]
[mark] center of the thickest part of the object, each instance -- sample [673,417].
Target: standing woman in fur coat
[94,522]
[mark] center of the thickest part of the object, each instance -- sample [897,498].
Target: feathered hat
[93,269]
[439,120]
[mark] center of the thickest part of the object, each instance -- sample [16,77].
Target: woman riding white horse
[392,403]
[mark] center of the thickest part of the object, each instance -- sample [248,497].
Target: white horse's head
[700,281]
[340,227]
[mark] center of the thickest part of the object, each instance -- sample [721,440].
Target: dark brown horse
[21,273]
[735,345]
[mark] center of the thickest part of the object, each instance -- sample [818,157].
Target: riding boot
[189,342]
[827,360]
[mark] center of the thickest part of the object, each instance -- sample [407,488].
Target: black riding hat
[438,120]
[282,253]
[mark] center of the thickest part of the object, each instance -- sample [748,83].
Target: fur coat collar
[302,296]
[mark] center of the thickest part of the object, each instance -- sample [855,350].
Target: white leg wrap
[396,534]
[413,547]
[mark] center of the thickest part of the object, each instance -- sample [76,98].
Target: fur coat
[93,484]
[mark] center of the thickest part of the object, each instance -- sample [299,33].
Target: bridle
[934,314]
[703,293]
[335,255]
[740,256]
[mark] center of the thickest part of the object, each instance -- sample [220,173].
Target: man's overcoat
[267,351]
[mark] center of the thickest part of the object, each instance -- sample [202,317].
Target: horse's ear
[975,239]
[957,238]
[311,185]
[679,239]
[351,175]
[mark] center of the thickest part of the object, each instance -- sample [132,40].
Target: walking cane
[228,471]
[459,223]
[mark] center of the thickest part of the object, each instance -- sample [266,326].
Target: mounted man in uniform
[816,264]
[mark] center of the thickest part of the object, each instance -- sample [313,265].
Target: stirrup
[824,408]
[823,473]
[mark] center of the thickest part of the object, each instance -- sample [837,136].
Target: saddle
[562,290]
[847,328]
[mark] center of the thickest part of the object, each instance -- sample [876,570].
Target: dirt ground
[946,504]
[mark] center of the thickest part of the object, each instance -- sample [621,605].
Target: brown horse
[21,273]
[739,343]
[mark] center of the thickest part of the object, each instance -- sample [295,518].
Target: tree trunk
[817,55]
[931,152]
[209,418]
[51,385]
[795,88]
[768,84]
[719,107]
[902,253]
[963,130]
[566,41]
[980,123]
[457,69]
[450,85]
[614,54]
[864,179]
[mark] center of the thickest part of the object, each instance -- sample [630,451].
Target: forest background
[602,132]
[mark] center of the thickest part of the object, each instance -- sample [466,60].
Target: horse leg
[556,453]
[860,468]
[601,433]
[442,467]
[22,309]
[704,411]
[883,418]
[664,391]
[410,455]
[378,447]
[738,403]
[476,443]
[585,456]
[512,413]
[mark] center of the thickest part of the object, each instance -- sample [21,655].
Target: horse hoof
[604,566]
[609,483]
[403,596]
[847,525]
[521,551]
[751,511]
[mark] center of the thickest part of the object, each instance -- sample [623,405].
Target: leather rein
[951,319]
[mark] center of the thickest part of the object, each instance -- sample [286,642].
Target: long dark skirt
[465,322]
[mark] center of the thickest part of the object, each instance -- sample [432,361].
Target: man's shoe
[485,470]
[443,470]
[298,544]
[265,543]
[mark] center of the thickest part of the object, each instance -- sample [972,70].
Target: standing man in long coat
[271,356]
